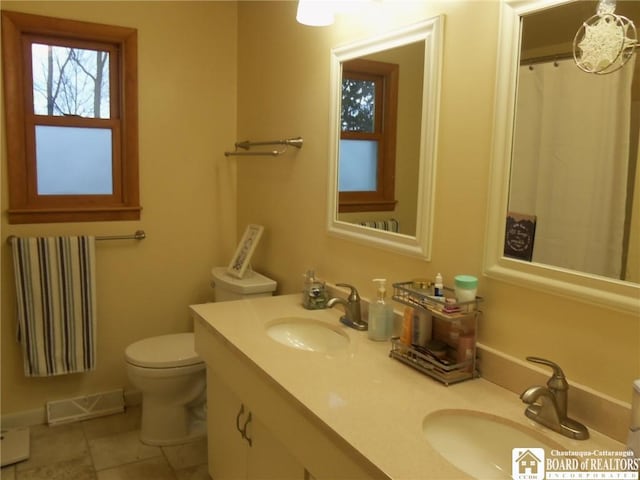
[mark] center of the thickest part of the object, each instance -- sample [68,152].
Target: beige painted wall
[283,91]
[187,104]
[190,98]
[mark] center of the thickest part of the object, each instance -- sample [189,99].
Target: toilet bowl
[171,375]
[172,379]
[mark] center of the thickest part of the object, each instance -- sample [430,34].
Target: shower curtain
[570,161]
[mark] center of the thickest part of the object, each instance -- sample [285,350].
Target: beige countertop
[375,403]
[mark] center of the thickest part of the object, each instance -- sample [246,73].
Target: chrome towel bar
[246,145]
[137,235]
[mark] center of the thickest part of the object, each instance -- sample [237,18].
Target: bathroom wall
[283,91]
[187,107]
[212,73]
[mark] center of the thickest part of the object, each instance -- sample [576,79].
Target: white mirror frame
[601,291]
[429,32]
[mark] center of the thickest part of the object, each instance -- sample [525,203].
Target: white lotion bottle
[438,287]
[380,314]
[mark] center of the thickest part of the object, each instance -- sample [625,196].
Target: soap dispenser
[380,313]
[634,429]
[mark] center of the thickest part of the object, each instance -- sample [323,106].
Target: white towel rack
[246,145]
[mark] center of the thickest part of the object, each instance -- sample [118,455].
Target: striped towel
[55,286]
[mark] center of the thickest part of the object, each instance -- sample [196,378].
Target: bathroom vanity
[293,394]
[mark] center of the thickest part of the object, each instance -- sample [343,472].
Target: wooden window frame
[385,76]
[25,205]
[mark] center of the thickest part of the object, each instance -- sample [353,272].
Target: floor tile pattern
[106,448]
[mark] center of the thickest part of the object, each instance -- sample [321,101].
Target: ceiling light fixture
[315,13]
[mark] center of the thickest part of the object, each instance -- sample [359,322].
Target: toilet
[172,377]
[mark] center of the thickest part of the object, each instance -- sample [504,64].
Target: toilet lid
[165,351]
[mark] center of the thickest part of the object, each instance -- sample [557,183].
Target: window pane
[358,166]
[70,81]
[358,105]
[73,161]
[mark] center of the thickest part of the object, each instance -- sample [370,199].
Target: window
[366,174]
[71,120]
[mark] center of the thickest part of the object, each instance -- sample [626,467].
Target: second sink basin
[307,334]
[480,444]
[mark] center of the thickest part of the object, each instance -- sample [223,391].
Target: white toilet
[171,375]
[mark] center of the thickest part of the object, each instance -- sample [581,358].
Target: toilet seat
[164,351]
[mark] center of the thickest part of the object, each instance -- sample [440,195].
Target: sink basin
[480,444]
[307,334]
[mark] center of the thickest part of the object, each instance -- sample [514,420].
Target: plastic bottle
[438,288]
[380,314]
[633,441]
[464,350]
[421,327]
[407,326]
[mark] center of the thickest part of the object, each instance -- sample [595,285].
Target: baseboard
[27,418]
[132,398]
[38,416]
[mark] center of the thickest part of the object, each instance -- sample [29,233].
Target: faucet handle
[353,295]
[558,380]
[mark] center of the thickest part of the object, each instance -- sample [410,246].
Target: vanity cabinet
[240,446]
[288,440]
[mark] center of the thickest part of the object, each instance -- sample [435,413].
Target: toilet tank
[227,287]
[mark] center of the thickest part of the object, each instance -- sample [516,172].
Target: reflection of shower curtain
[571,153]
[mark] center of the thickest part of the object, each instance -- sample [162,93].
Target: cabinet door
[227,449]
[268,458]
[232,457]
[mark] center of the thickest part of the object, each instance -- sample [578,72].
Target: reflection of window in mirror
[368,136]
[71,126]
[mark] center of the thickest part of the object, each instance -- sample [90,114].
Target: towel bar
[246,145]
[137,235]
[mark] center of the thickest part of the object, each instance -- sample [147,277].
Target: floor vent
[82,408]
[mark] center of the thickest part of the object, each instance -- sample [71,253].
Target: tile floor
[106,448]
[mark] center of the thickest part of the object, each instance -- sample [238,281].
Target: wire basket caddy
[451,321]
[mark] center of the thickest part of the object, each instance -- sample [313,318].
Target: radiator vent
[84,407]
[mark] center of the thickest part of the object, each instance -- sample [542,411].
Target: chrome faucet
[352,317]
[548,405]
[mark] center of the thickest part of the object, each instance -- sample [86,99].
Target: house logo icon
[527,464]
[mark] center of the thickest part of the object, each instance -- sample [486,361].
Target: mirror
[402,223]
[561,219]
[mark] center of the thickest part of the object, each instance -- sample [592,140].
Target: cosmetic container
[466,287]
[438,287]
[407,329]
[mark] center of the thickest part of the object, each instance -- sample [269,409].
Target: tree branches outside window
[358,105]
[70,81]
